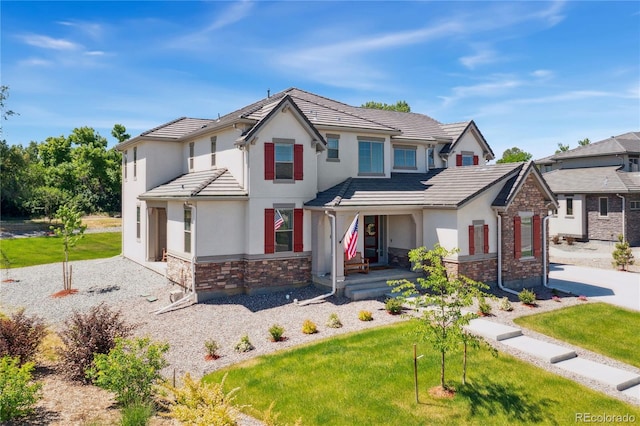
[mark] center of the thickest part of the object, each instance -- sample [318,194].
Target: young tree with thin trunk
[441,296]
[71,231]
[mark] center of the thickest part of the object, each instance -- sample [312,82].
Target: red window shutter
[298,166]
[459,160]
[486,238]
[472,246]
[476,160]
[298,235]
[517,238]
[537,238]
[269,162]
[269,231]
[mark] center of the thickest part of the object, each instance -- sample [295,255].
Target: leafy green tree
[18,394]
[6,113]
[514,155]
[71,231]
[445,294]
[562,148]
[584,142]
[622,254]
[120,133]
[400,106]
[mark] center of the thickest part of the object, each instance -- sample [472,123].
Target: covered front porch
[360,286]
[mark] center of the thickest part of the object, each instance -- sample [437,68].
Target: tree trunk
[464,365]
[442,369]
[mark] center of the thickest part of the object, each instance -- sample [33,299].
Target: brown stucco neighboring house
[598,189]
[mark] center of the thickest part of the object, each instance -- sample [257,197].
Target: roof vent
[268,93]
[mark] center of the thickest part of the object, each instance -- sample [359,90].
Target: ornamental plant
[244,345]
[393,306]
[71,231]
[276,332]
[130,369]
[334,321]
[212,349]
[527,297]
[484,307]
[622,254]
[309,327]
[365,316]
[20,336]
[18,394]
[505,305]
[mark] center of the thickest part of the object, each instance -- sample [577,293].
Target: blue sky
[531,74]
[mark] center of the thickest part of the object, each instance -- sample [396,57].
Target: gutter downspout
[624,214]
[500,286]
[192,293]
[334,267]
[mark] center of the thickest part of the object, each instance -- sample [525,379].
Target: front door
[371,238]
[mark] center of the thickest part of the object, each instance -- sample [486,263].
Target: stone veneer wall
[241,276]
[633,221]
[604,228]
[520,273]
[483,270]
[399,258]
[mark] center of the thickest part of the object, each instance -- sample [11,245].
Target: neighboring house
[242,203]
[598,189]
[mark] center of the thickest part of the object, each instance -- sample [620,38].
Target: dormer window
[467,158]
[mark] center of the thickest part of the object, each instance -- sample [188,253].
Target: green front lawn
[367,379]
[40,250]
[598,327]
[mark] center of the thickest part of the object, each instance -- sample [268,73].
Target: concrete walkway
[621,380]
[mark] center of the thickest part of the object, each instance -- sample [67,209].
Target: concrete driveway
[615,287]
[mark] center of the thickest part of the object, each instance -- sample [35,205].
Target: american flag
[351,239]
[278,220]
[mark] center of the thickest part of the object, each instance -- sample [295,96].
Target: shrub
[200,403]
[484,308]
[309,327]
[505,304]
[130,369]
[622,255]
[393,306]
[527,297]
[365,316]
[136,414]
[87,334]
[244,345]
[555,239]
[18,394]
[334,321]
[277,332]
[212,349]
[570,240]
[20,336]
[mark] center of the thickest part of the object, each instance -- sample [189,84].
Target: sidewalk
[621,381]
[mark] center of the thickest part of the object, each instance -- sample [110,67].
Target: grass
[40,250]
[598,327]
[367,378]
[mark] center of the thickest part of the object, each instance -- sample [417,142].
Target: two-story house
[245,203]
[598,189]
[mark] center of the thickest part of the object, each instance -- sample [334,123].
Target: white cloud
[93,29]
[35,62]
[489,89]
[94,53]
[235,13]
[481,57]
[47,42]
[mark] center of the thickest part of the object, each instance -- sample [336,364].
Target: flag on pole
[278,220]
[351,239]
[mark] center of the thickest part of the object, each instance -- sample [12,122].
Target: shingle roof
[627,143]
[320,111]
[590,180]
[209,183]
[439,188]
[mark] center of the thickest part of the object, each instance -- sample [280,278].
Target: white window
[191,154]
[634,205]
[214,142]
[284,161]
[526,236]
[370,157]
[284,229]
[404,157]
[603,206]
[333,147]
[124,163]
[135,161]
[138,222]
[187,230]
[467,159]
[569,202]
[634,163]
[431,161]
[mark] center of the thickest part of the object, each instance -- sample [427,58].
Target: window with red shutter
[298,166]
[269,231]
[298,235]
[459,160]
[517,237]
[472,242]
[269,161]
[537,237]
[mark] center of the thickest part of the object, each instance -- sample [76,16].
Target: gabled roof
[322,113]
[627,143]
[455,132]
[513,185]
[592,180]
[439,188]
[209,183]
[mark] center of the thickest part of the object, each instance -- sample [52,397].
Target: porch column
[418,226]
[342,223]
[319,235]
